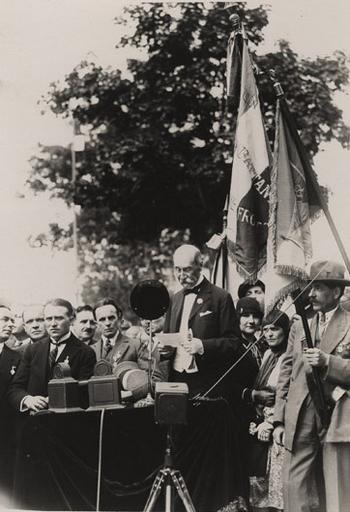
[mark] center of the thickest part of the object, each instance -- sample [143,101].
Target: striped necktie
[52,359]
[107,348]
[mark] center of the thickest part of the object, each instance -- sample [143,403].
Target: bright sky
[41,41]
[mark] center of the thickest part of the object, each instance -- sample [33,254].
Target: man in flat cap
[297,419]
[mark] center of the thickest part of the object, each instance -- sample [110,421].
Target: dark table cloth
[57,459]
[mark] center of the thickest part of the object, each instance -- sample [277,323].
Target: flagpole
[305,160]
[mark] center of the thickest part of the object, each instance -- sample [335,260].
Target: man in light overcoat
[297,420]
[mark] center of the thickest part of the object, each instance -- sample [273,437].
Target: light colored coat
[129,349]
[292,388]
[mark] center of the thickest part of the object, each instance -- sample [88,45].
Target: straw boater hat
[328,271]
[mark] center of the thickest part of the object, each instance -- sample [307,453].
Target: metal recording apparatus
[104,387]
[63,390]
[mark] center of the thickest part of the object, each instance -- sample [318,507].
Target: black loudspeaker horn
[149,299]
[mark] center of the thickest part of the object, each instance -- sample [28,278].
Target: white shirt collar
[2,347]
[328,316]
[112,341]
[201,278]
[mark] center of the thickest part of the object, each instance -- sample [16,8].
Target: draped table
[57,459]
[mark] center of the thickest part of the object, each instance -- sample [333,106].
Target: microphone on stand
[150,300]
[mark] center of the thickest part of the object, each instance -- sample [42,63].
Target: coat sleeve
[18,387]
[87,363]
[338,371]
[285,376]
[227,341]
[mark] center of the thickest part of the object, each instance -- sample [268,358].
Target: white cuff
[22,406]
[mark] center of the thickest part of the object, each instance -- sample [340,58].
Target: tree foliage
[160,140]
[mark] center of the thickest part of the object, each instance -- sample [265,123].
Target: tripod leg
[155,491]
[168,497]
[182,490]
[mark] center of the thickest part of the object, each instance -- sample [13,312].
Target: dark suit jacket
[33,373]
[9,362]
[213,320]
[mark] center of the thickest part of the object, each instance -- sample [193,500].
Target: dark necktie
[107,347]
[195,289]
[52,358]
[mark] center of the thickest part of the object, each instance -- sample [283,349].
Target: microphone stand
[149,400]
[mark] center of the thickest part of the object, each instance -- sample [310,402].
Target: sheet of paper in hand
[173,339]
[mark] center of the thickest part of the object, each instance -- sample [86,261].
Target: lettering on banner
[261,185]
[243,155]
[247,217]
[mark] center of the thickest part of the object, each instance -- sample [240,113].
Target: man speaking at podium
[205,317]
[28,390]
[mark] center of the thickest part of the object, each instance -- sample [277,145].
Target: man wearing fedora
[297,423]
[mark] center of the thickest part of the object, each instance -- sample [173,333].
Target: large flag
[294,203]
[248,210]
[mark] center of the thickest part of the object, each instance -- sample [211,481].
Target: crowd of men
[214,337]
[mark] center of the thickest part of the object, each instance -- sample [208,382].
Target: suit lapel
[8,362]
[70,348]
[42,361]
[118,351]
[98,348]
[334,332]
[202,298]
[175,318]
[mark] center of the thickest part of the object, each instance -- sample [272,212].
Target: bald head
[33,321]
[187,265]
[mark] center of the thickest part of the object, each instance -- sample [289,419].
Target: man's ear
[338,292]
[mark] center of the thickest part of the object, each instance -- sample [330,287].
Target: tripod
[173,481]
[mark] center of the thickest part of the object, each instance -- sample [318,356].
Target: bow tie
[195,289]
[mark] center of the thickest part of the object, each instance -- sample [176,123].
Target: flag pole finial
[236,22]
[276,84]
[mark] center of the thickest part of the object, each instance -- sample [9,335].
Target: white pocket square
[204,313]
